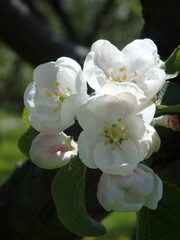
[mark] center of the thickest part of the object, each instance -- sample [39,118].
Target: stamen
[110,70]
[56,84]
[124,77]
[57,93]
[114,134]
[56,109]
[102,75]
[122,69]
[49,94]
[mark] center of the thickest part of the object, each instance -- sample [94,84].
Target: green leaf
[163,109]
[25,116]
[24,142]
[171,94]
[172,64]
[162,223]
[68,194]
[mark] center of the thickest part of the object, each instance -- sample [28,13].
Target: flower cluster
[115,119]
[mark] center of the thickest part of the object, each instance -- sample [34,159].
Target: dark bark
[31,38]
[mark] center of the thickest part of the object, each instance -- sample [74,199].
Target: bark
[31,38]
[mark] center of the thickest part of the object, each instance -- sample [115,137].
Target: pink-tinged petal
[52,151]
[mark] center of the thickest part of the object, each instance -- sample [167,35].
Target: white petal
[152,139]
[141,54]
[154,197]
[69,109]
[108,194]
[45,75]
[86,147]
[100,109]
[116,161]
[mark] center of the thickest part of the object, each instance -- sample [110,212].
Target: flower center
[58,95]
[121,77]
[114,134]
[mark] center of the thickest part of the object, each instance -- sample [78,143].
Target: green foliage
[163,109]
[25,116]
[25,141]
[172,64]
[169,94]
[68,195]
[162,223]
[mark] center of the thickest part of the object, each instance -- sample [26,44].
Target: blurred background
[79,22]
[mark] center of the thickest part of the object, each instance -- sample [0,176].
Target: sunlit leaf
[172,64]
[25,141]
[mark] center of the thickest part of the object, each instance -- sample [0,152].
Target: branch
[31,38]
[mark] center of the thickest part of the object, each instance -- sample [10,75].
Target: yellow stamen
[124,77]
[102,75]
[56,84]
[56,109]
[57,93]
[49,94]
[122,69]
[110,70]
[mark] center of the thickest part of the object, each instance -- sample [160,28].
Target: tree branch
[32,39]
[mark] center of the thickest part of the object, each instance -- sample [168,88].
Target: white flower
[137,63]
[56,93]
[129,193]
[52,151]
[116,133]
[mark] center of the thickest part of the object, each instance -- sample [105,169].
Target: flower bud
[52,151]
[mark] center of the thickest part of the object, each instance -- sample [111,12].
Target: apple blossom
[168,121]
[116,133]
[52,151]
[142,187]
[56,93]
[137,63]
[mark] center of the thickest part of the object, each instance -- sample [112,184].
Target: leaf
[25,141]
[163,109]
[172,64]
[25,116]
[162,223]
[68,194]
[171,94]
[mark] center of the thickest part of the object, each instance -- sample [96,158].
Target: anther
[56,84]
